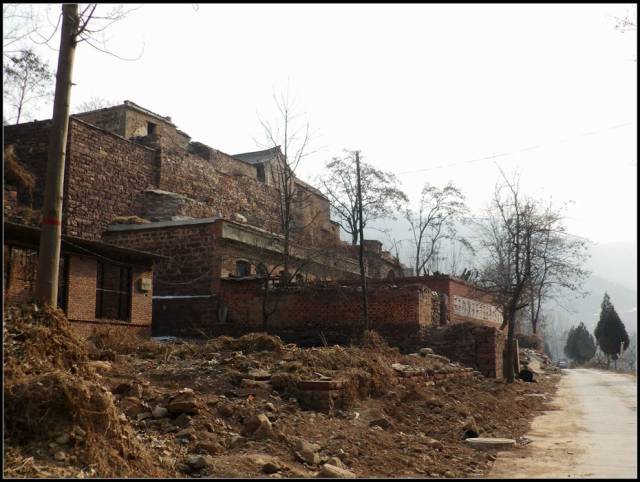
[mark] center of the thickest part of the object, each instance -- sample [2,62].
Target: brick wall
[84,328]
[106,177]
[31,141]
[20,270]
[471,344]
[81,304]
[192,265]
[304,312]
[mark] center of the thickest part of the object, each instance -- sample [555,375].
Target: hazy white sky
[421,90]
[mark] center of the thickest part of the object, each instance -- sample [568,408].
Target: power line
[529,148]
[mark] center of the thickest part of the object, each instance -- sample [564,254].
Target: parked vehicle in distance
[563,364]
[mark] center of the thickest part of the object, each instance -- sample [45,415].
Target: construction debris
[245,407]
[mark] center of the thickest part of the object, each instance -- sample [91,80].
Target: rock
[187,433]
[184,402]
[271,467]
[237,441]
[141,416]
[60,455]
[63,439]
[449,475]
[336,462]
[425,351]
[257,374]
[253,423]
[210,447]
[197,462]
[383,423]
[269,406]
[159,411]
[433,443]
[303,445]
[332,472]
[100,365]
[183,420]
[133,406]
[311,458]
[483,443]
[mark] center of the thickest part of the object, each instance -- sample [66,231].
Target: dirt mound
[50,393]
[39,340]
[251,343]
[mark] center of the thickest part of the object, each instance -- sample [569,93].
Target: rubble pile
[255,407]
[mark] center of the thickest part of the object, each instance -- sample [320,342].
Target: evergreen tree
[610,331]
[580,344]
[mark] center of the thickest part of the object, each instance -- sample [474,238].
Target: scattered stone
[261,375]
[141,416]
[433,443]
[197,462]
[271,467]
[63,439]
[332,472]
[484,443]
[237,441]
[133,406]
[183,420]
[336,462]
[159,411]
[269,406]
[211,448]
[60,455]
[187,433]
[184,402]
[449,475]
[383,423]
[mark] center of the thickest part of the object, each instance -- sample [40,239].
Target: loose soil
[78,408]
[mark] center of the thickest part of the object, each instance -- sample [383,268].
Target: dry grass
[15,173]
[49,390]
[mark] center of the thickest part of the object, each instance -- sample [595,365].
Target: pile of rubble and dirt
[251,406]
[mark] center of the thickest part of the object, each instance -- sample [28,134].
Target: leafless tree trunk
[363,276]
[46,290]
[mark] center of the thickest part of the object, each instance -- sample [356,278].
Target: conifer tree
[580,344]
[610,331]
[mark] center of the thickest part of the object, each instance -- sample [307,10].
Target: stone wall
[106,177]
[471,344]
[191,267]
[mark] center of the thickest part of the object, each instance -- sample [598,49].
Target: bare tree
[558,263]
[293,141]
[381,196]
[438,211]
[95,103]
[77,26]
[27,78]
[19,23]
[506,238]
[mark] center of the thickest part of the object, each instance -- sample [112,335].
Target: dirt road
[590,431]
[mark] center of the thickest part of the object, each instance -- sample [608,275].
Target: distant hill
[617,262]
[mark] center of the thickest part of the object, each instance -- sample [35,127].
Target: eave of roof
[15,233]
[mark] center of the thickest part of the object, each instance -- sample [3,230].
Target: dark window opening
[151,128]
[63,283]
[261,175]
[261,270]
[113,292]
[391,275]
[243,268]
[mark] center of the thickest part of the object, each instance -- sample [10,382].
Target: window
[151,128]
[261,270]
[391,275]
[63,283]
[113,292]
[260,170]
[242,269]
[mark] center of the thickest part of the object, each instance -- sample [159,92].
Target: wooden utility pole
[46,291]
[363,277]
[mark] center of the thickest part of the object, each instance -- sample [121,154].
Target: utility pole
[363,278]
[46,291]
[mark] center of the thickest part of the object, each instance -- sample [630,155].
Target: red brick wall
[327,308]
[84,328]
[81,304]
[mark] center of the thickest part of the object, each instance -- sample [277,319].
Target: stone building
[134,180]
